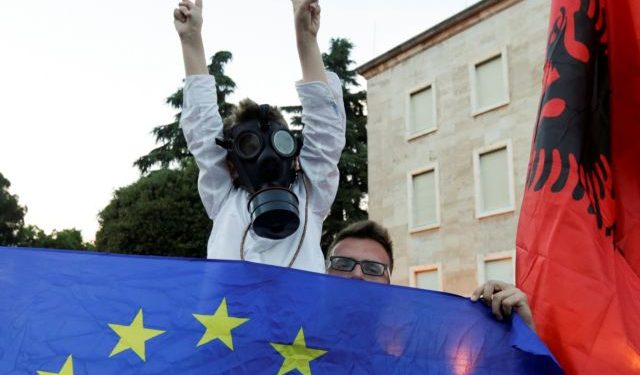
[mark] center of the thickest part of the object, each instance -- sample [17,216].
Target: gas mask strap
[304,227]
[306,218]
[263,119]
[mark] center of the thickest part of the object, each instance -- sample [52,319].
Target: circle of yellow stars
[218,326]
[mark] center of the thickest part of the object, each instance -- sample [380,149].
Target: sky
[83,83]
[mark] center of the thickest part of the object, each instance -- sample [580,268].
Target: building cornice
[437,34]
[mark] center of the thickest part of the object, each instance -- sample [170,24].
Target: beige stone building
[451,116]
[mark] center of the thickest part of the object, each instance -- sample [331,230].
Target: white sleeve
[201,124]
[324,120]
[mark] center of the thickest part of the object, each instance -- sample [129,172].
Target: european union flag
[78,313]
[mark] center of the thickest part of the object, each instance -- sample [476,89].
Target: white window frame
[436,175]
[413,270]
[478,185]
[409,134]
[500,255]
[475,111]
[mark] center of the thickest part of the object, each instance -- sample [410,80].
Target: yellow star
[133,336]
[297,356]
[219,325]
[67,368]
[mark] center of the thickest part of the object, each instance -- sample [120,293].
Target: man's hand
[306,15]
[187,18]
[503,298]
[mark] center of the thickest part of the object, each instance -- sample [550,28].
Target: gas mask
[264,152]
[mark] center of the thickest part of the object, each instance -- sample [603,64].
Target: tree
[160,214]
[68,239]
[173,147]
[11,214]
[352,190]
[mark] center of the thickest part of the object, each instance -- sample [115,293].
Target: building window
[426,277]
[493,169]
[490,84]
[424,207]
[421,112]
[497,266]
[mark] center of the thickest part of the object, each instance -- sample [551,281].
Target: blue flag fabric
[66,313]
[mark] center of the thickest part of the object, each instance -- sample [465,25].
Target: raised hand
[503,298]
[306,17]
[187,18]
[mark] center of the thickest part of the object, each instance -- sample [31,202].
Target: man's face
[361,249]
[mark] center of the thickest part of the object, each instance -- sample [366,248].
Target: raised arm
[200,119]
[306,15]
[323,111]
[187,18]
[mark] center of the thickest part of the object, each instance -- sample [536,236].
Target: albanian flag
[578,242]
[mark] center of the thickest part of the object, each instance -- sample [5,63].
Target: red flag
[578,242]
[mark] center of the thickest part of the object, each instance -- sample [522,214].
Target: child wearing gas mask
[267,191]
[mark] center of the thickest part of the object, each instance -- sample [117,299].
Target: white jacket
[324,137]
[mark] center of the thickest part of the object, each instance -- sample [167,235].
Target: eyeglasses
[368,267]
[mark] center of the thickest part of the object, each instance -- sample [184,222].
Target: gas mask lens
[248,145]
[283,143]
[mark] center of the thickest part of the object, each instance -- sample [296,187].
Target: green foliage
[67,239]
[352,190]
[173,147]
[160,214]
[11,214]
